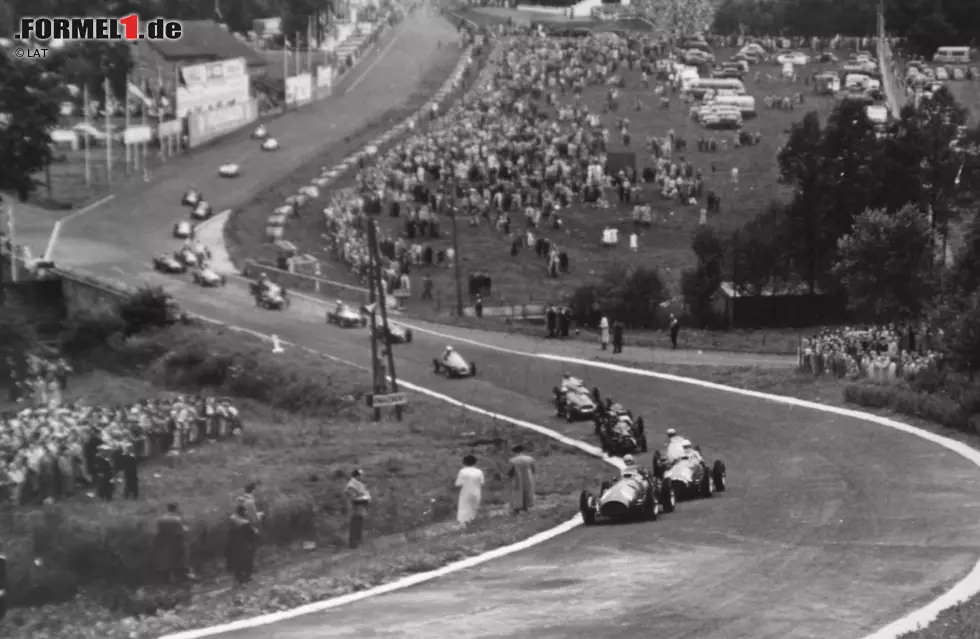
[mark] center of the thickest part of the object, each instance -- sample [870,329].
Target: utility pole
[456,259]
[381,396]
[383,304]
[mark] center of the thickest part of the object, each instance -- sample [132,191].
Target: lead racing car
[682,466]
[452,365]
[636,494]
[205,276]
[574,401]
[184,230]
[345,316]
[619,434]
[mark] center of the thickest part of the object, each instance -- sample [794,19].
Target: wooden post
[375,369]
[383,303]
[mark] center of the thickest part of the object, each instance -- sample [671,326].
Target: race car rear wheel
[435,366]
[408,337]
[719,476]
[472,369]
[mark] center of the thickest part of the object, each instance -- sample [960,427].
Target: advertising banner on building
[137,135]
[324,82]
[170,129]
[215,84]
[207,125]
[299,89]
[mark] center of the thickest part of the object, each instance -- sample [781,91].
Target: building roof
[206,39]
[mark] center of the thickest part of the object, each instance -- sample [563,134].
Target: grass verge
[96,558]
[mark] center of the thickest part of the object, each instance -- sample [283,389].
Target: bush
[631,296]
[933,407]
[197,358]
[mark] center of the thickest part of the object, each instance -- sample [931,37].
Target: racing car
[575,401]
[688,474]
[168,264]
[270,296]
[637,494]
[183,230]
[260,132]
[186,256]
[394,335]
[270,144]
[201,211]
[453,366]
[204,276]
[191,198]
[229,170]
[619,434]
[346,317]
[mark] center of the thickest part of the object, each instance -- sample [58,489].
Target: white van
[952,55]
[877,113]
[859,80]
[744,103]
[698,88]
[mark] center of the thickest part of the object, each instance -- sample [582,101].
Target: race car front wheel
[719,476]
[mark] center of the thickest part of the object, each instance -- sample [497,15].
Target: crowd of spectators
[49,447]
[882,353]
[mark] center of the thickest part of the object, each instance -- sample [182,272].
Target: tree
[888,264]
[628,295]
[698,285]
[28,113]
[758,250]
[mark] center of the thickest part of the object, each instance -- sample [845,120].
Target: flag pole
[88,159]
[130,156]
[158,102]
[108,132]
[309,44]
[299,58]
[146,94]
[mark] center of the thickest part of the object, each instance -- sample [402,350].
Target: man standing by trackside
[604,332]
[360,503]
[675,328]
[522,474]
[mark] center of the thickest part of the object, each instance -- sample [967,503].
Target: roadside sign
[391,399]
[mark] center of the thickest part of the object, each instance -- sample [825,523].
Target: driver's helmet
[449,349]
[339,303]
[628,460]
[566,376]
[263,277]
[671,433]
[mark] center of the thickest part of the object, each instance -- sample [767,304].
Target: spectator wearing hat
[243,537]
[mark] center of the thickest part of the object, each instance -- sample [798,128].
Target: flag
[139,93]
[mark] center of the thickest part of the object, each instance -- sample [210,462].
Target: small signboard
[383,401]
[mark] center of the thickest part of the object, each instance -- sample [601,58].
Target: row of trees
[870,219]
[925,24]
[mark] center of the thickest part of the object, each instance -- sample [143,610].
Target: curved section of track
[832,527]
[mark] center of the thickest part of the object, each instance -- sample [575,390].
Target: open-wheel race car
[168,264]
[205,276]
[229,170]
[260,132]
[573,400]
[183,230]
[188,257]
[270,144]
[270,296]
[684,469]
[191,198]
[346,317]
[452,365]
[201,211]
[395,334]
[618,432]
[636,494]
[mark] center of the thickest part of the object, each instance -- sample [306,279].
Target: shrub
[148,308]
[935,408]
[631,296]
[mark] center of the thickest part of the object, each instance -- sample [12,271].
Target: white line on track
[374,63]
[56,231]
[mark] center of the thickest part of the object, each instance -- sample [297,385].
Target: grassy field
[967,93]
[245,231]
[301,461]
[523,278]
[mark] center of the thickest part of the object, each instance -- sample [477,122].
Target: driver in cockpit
[568,383]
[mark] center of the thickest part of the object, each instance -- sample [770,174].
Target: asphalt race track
[832,527]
